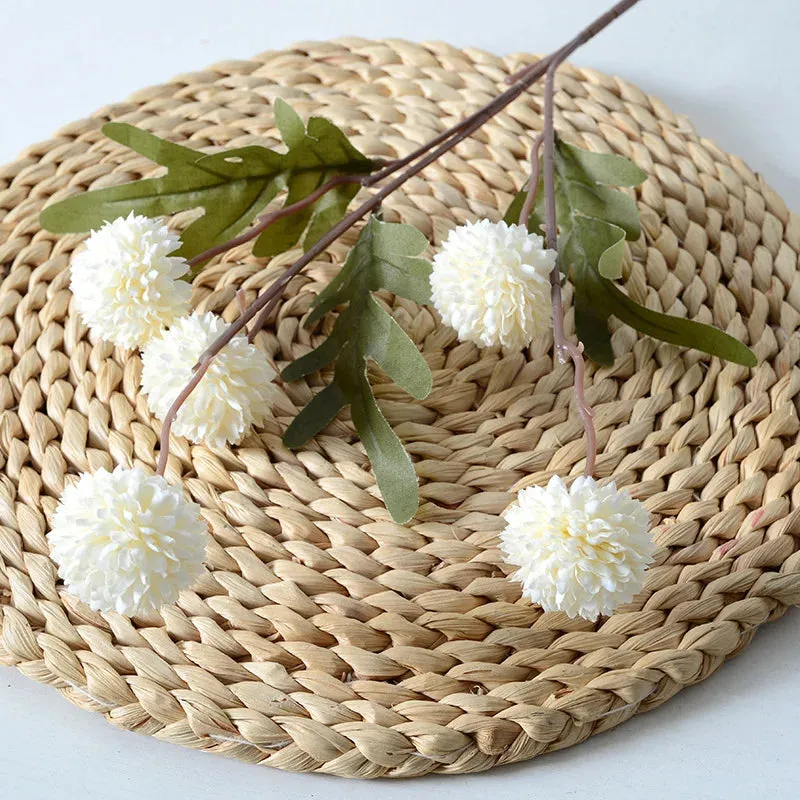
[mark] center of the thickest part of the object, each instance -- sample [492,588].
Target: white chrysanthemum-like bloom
[126,541]
[236,392]
[125,281]
[491,282]
[582,550]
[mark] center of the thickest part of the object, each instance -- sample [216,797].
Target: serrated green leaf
[316,154]
[232,186]
[386,256]
[231,201]
[582,195]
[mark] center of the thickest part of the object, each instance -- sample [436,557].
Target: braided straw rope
[325,637]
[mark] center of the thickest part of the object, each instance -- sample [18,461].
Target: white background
[730,65]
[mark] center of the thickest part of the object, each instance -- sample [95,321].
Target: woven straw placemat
[325,637]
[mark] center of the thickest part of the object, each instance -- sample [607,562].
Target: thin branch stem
[347,222]
[564,349]
[423,156]
[169,419]
[533,183]
[589,32]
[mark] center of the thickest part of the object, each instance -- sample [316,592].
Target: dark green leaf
[591,326]
[326,353]
[597,298]
[319,413]
[602,204]
[316,155]
[386,256]
[594,221]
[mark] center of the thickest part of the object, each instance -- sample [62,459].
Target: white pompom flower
[236,393]
[125,282]
[126,541]
[583,549]
[491,282]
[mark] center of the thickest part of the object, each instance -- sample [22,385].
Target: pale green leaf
[383,340]
[607,169]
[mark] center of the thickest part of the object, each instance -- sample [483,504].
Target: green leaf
[582,194]
[595,244]
[386,256]
[316,155]
[232,187]
[383,340]
[601,204]
[597,299]
[603,168]
[326,353]
[319,412]
[677,330]
[594,221]
[591,325]
[393,469]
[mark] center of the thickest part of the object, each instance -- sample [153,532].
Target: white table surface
[730,65]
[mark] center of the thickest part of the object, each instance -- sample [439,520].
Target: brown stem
[565,349]
[169,419]
[427,154]
[533,183]
[589,32]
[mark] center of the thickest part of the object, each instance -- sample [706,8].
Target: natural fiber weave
[324,636]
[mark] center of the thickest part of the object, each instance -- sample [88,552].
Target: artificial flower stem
[442,144]
[563,348]
[533,183]
[589,32]
[356,215]
[171,415]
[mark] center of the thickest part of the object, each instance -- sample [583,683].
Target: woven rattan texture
[324,637]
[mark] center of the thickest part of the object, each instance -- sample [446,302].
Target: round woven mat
[325,637]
